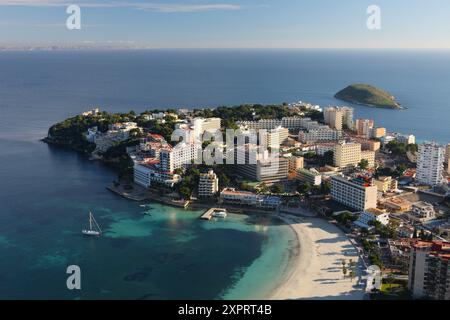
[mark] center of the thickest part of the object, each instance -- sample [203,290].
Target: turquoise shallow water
[170,254]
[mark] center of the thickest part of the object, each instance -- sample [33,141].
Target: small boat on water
[219,214]
[94,228]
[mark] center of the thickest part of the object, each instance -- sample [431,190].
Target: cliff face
[368,95]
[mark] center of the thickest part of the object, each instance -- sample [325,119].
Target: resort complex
[388,196]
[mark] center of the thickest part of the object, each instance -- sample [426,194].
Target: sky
[227,23]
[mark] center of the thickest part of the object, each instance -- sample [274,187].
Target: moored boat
[94,228]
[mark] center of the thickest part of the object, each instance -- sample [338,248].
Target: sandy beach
[316,272]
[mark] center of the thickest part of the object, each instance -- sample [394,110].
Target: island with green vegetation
[367,95]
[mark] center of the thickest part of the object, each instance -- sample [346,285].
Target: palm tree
[344,268]
[352,275]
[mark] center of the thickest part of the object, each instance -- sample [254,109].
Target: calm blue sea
[45,193]
[39,88]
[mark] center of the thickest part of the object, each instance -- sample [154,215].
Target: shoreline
[398,107]
[316,271]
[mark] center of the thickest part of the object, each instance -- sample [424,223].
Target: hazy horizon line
[50,47]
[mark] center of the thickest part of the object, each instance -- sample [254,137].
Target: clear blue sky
[228,23]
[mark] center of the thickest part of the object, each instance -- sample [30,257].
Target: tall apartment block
[338,117]
[208,184]
[347,155]
[259,166]
[430,164]
[333,117]
[347,117]
[274,137]
[364,127]
[162,166]
[296,163]
[200,125]
[429,270]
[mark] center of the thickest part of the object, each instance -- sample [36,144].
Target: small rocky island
[367,95]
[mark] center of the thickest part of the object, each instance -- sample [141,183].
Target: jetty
[210,212]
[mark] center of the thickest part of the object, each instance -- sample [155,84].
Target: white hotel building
[430,164]
[232,196]
[162,169]
[274,138]
[353,193]
[179,156]
[429,270]
[146,173]
[322,133]
[291,123]
[372,215]
[208,184]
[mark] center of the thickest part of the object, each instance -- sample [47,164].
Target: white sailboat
[94,228]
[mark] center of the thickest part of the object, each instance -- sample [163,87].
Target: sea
[46,193]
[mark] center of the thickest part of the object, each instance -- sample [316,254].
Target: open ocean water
[46,193]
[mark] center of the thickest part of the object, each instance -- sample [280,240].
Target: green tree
[413,147]
[136,133]
[344,268]
[328,157]
[326,187]
[185,192]
[278,188]
[315,189]
[224,181]
[345,218]
[397,148]
[375,259]
[309,155]
[352,274]
[263,187]
[363,164]
[384,171]
[304,188]
[246,186]
[399,170]
[178,171]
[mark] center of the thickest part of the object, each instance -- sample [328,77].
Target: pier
[209,213]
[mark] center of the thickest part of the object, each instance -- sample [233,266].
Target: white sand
[317,270]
